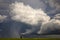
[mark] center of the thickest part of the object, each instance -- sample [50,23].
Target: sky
[22,17]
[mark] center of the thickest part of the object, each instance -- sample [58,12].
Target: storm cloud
[30,16]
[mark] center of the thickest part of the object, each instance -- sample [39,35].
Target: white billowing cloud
[50,27]
[57,16]
[26,14]
[2,18]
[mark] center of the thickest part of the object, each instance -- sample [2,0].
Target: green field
[30,39]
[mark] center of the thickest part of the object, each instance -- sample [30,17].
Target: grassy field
[35,37]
